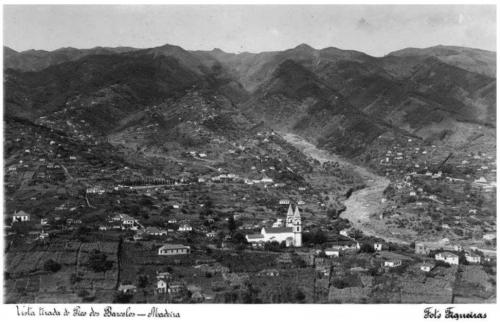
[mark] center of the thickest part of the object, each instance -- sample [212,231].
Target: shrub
[98,261]
[51,265]
[367,248]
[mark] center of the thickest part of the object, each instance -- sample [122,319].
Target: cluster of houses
[447,256]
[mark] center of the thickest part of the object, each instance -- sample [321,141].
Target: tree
[122,298]
[142,281]
[357,234]
[367,248]
[231,224]
[51,265]
[300,296]
[239,238]
[272,246]
[331,213]
[98,261]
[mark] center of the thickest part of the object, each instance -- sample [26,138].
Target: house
[173,250]
[266,179]
[480,180]
[43,235]
[154,231]
[97,189]
[185,228]
[163,275]
[301,203]
[424,248]
[393,263]
[214,268]
[127,289]
[284,202]
[427,267]
[447,257]
[344,233]
[377,246]
[333,252]
[472,258]
[323,270]
[175,288]
[347,246]
[20,216]
[197,297]
[127,221]
[270,272]
[489,236]
[161,286]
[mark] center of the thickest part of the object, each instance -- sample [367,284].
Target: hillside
[470,59]
[36,60]
[338,98]
[295,100]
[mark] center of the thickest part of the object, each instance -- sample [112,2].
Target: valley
[163,175]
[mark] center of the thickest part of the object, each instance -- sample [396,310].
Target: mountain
[340,99]
[295,100]
[253,69]
[101,89]
[36,60]
[470,59]
[150,99]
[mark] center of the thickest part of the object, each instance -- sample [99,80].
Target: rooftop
[174,246]
[279,230]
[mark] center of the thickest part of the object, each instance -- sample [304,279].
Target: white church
[290,231]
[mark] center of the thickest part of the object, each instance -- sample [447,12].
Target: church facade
[289,232]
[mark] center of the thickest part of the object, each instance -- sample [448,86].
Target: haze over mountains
[340,99]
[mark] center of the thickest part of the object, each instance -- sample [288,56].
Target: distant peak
[170,46]
[8,49]
[304,46]
[218,50]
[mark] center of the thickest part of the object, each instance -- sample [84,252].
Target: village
[246,221]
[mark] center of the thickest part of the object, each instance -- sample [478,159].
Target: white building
[393,263]
[377,246]
[185,228]
[447,257]
[344,233]
[266,179]
[20,216]
[98,189]
[161,286]
[426,267]
[291,233]
[472,258]
[173,250]
[332,252]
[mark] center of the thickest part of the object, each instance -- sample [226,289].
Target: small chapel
[290,231]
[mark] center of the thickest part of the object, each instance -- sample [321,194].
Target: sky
[373,29]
